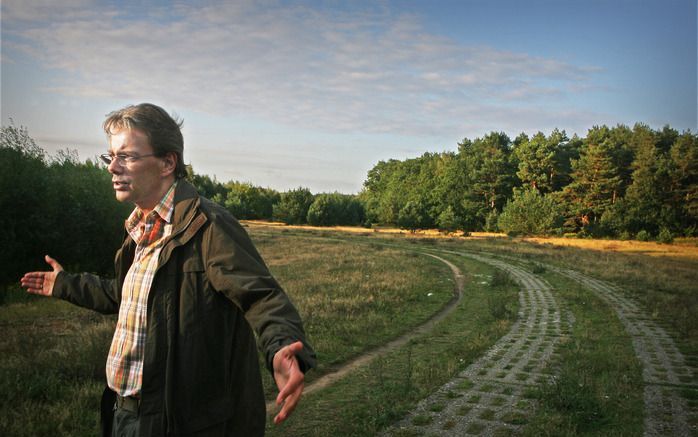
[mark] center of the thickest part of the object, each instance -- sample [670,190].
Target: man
[190,289]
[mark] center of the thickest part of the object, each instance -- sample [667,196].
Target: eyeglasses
[122,158]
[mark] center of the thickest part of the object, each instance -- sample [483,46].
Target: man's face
[139,181]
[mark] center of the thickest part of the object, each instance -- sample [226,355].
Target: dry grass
[681,247]
[686,248]
[350,295]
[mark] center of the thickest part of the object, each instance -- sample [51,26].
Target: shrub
[501,278]
[665,236]
[643,235]
[529,212]
[330,209]
[412,216]
[246,201]
[57,206]
[447,220]
[491,221]
[293,206]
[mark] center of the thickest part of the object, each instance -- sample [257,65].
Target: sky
[284,94]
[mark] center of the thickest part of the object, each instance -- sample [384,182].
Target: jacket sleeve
[88,291]
[235,268]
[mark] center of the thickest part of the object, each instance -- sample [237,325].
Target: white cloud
[367,71]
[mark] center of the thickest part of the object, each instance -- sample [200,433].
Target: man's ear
[170,163]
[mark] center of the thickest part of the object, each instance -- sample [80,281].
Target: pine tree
[684,181]
[539,163]
[595,182]
[643,200]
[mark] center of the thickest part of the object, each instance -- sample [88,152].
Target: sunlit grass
[355,296]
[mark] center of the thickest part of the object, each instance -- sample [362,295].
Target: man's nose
[114,167]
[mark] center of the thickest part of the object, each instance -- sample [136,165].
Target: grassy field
[357,290]
[374,396]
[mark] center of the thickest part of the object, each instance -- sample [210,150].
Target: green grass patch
[51,369]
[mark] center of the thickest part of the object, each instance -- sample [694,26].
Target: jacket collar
[187,218]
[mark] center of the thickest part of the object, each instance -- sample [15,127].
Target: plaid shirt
[125,360]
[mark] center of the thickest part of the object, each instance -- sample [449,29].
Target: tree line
[617,182]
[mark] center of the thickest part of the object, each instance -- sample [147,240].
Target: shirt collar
[164,209]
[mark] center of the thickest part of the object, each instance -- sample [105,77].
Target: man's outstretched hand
[42,282]
[289,379]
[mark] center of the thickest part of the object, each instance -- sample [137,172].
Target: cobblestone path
[665,372]
[489,397]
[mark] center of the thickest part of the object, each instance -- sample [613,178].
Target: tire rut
[489,397]
[365,358]
[664,369]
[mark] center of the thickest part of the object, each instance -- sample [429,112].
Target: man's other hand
[42,282]
[289,380]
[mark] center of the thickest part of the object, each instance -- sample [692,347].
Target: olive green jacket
[210,292]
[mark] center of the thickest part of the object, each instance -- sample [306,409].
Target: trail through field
[462,406]
[363,359]
[489,397]
[665,372]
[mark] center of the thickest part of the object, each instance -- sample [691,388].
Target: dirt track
[330,378]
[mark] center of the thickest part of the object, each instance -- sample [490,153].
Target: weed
[487,414]
[515,418]
[497,401]
[474,399]
[499,308]
[501,278]
[465,384]
[437,407]
[538,269]
[464,409]
[449,424]
[422,419]
[475,428]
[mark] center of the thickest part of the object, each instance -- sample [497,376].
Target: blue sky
[285,94]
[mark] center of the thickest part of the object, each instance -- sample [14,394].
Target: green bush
[331,209]
[412,216]
[665,236]
[57,206]
[491,221]
[293,206]
[643,235]
[246,201]
[447,220]
[529,212]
